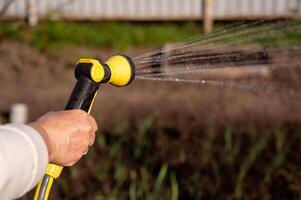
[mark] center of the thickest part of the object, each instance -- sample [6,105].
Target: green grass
[220,164]
[123,35]
[268,34]
[247,164]
[115,35]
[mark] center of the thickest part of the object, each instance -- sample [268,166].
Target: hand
[67,134]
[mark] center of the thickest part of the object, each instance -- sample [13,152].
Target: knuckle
[86,142]
[91,142]
[86,126]
[70,164]
[78,156]
[92,134]
[93,123]
[80,112]
[75,158]
[50,113]
[76,113]
[46,116]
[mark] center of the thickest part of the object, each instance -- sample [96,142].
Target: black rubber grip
[82,94]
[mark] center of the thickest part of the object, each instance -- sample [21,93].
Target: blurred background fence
[150,9]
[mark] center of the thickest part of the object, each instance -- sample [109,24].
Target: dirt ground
[44,80]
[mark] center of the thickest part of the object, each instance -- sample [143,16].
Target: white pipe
[18,113]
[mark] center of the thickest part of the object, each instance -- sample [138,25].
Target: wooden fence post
[207,16]
[32,12]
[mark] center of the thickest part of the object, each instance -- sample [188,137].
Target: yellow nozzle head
[122,70]
[118,70]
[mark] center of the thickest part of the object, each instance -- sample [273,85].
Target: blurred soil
[44,81]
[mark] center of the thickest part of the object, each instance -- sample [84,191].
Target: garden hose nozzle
[90,74]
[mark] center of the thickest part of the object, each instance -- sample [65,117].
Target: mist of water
[229,57]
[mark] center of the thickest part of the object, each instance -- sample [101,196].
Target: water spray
[240,56]
[90,74]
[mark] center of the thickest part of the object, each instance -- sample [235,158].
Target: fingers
[93,123]
[91,138]
[92,127]
[87,126]
[68,134]
[85,119]
[76,157]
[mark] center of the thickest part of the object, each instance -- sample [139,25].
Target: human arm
[25,150]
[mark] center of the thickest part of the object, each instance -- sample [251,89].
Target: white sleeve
[23,159]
